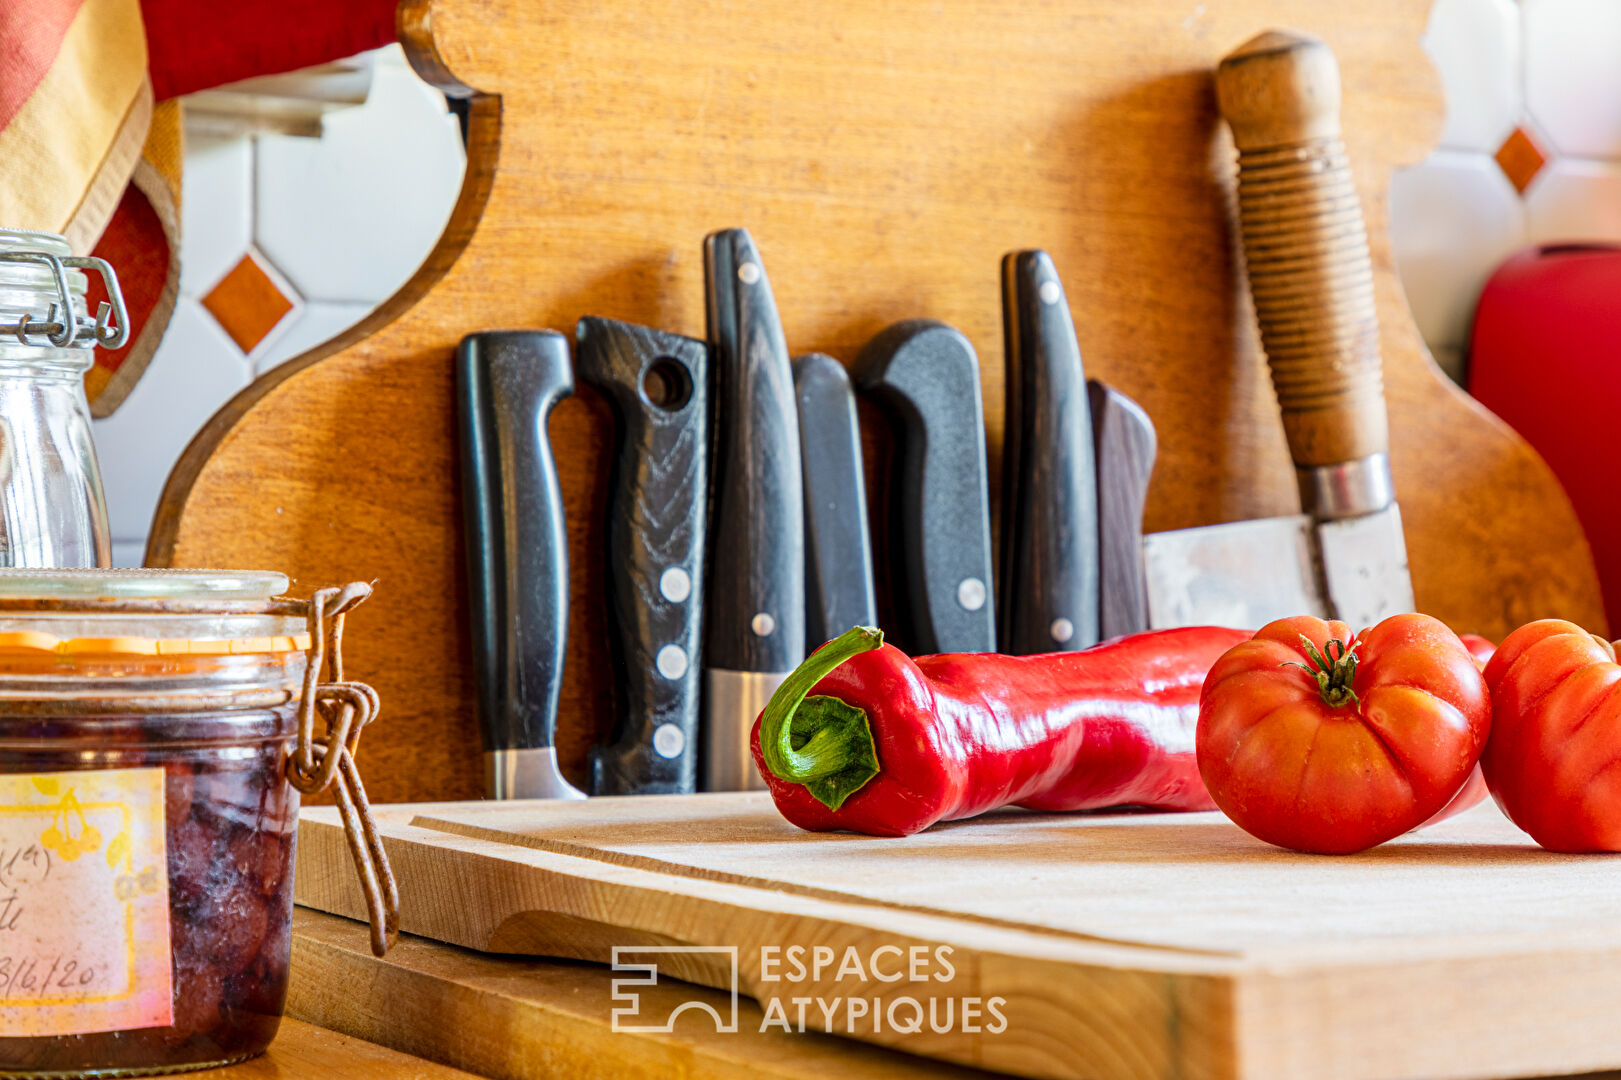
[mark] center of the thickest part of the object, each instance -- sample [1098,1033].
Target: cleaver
[1310,274]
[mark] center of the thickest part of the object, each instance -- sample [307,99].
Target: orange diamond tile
[1520,158]
[247,303]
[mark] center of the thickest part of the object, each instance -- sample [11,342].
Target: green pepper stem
[1334,669]
[828,749]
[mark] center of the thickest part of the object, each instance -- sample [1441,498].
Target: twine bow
[318,760]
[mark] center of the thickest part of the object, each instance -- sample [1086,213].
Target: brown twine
[346,708]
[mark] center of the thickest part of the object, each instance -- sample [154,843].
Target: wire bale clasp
[346,708]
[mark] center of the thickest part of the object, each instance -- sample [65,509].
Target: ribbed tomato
[1553,762]
[1312,739]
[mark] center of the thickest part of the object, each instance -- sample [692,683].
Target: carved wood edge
[483,149]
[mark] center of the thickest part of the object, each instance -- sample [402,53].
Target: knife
[1124,444]
[838,552]
[755,596]
[508,383]
[925,375]
[1310,274]
[658,385]
[1049,581]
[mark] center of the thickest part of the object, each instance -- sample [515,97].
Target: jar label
[84,903]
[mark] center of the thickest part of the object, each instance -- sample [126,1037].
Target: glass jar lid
[149,610]
[19,583]
[42,294]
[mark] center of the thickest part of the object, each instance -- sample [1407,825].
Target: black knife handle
[838,551]
[755,601]
[1049,582]
[926,376]
[1123,437]
[658,385]
[508,383]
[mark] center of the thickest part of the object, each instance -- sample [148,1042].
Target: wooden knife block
[884,157]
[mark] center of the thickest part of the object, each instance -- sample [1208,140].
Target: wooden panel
[884,157]
[541,1019]
[1125,946]
[304,1051]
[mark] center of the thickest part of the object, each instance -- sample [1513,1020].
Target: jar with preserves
[153,726]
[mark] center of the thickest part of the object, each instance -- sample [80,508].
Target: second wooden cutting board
[1116,946]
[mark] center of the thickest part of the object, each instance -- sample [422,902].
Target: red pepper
[887,745]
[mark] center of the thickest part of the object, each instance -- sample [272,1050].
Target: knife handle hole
[667,385]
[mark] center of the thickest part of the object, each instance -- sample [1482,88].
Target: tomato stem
[1334,668]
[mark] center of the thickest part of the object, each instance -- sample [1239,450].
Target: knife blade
[508,383]
[755,596]
[838,551]
[925,375]
[1125,444]
[658,385]
[1049,580]
[1310,274]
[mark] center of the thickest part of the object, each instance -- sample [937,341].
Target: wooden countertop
[303,1051]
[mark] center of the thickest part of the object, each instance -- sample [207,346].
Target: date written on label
[31,977]
[84,906]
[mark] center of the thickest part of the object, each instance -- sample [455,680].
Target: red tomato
[1552,760]
[1311,740]
[1474,791]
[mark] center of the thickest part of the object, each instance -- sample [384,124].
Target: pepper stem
[823,743]
[1334,668]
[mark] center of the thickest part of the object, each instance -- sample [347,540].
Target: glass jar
[52,509]
[147,822]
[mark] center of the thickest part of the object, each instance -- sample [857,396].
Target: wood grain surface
[306,1052]
[1125,946]
[884,158]
[523,1019]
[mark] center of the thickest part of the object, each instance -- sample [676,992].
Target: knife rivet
[748,273]
[1062,630]
[668,740]
[971,594]
[762,624]
[1050,292]
[675,584]
[672,661]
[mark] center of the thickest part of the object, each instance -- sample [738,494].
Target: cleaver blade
[1248,573]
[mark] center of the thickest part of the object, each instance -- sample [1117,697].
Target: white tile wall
[1457,217]
[1573,74]
[1575,200]
[1551,67]
[338,222]
[348,217]
[1475,45]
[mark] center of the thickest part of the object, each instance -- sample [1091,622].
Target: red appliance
[1546,357]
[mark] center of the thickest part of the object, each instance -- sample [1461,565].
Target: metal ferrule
[1350,489]
[526,774]
[732,700]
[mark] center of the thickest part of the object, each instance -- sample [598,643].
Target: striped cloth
[89,149]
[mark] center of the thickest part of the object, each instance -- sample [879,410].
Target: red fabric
[197,44]
[138,249]
[1546,357]
[31,33]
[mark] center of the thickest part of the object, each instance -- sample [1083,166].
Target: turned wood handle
[1305,247]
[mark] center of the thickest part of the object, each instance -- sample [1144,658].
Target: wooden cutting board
[884,156]
[522,1019]
[1123,946]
